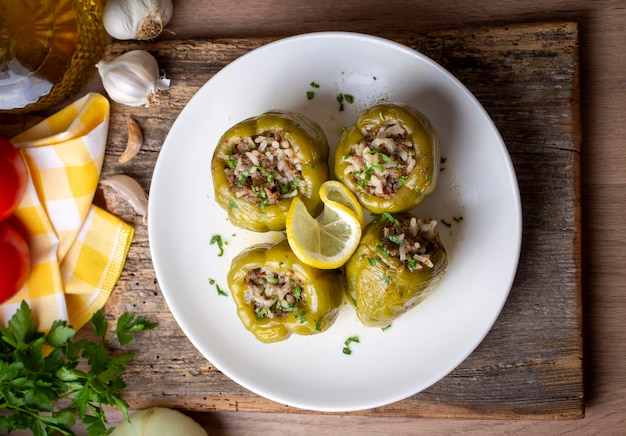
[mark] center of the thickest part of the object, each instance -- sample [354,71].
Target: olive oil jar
[48,50]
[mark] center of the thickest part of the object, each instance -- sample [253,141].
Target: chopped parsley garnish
[292,186]
[217,239]
[346,348]
[301,316]
[387,327]
[271,279]
[386,216]
[318,324]
[381,249]
[261,313]
[349,98]
[310,95]
[289,308]
[258,193]
[396,240]
[384,157]
[411,264]
[446,223]
[219,291]
[369,170]
[230,162]
[458,219]
[372,260]
[260,168]
[217,287]
[243,177]
[297,292]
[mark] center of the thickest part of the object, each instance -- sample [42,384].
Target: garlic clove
[132,78]
[131,191]
[136,19]
[135,141]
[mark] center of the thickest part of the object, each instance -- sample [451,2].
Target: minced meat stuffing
[381,162]
[273,294]
[264,168]
[410,240]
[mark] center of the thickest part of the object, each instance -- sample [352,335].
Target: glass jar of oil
[48,50]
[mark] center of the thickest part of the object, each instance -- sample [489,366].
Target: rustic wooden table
[567,154]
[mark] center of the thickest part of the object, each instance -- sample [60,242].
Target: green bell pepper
[260,164]
[389,159]
[398,262]
[277,295]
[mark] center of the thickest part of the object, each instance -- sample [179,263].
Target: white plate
[478,184]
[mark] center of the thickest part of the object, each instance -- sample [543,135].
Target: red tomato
[13,177]
[14,261]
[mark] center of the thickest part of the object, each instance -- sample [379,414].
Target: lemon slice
[332,190]
[325,242]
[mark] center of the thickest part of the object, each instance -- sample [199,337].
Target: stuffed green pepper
[260,164]
[390,158]
[399,261]
[277,295]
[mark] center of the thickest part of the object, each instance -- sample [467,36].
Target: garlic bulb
[136,19]
[132,78]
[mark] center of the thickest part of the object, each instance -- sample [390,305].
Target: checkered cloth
[77,249]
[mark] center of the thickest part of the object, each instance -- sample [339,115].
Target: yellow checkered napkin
[77,249]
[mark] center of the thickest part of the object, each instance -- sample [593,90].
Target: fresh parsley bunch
[42,386]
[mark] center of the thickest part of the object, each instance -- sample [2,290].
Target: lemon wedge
[332,190]
[328,241]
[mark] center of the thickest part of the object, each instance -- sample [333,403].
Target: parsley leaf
[217,239]
[346,348]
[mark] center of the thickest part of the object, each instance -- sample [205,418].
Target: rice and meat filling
[410,240]
[381,162]
[273,294]
[264,169]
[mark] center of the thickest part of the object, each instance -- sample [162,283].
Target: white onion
[159,421]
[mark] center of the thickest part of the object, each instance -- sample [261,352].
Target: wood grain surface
[530,364]
[602,32]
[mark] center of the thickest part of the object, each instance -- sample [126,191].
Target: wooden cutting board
[530,364]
